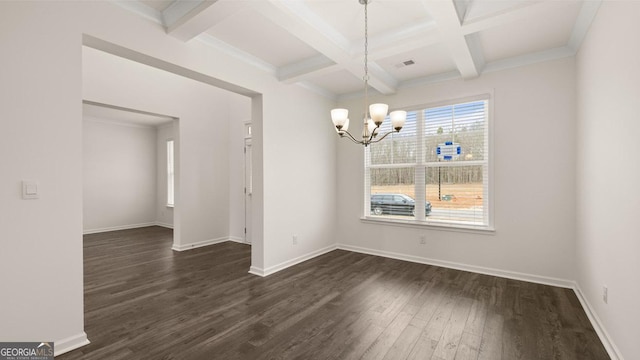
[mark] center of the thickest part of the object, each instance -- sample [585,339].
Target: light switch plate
[29,190]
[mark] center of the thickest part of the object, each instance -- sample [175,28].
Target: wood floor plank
[407,340]
[423,348]
[478,312]
[383,343]
[469,347]
[145,301]
[492,338]
[452,332]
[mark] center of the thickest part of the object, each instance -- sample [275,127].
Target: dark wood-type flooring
[144,301]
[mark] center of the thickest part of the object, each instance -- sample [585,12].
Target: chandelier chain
[366,62]
[366,43]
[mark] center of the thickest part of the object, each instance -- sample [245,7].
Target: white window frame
[420,173]
[170,145]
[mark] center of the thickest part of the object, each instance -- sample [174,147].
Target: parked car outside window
[395,204]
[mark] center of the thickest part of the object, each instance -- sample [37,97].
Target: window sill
[431,225]
[169,206]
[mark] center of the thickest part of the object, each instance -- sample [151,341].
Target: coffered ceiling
[320,43]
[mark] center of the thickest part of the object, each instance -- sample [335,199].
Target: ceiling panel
[484,8]
[347,16]
[429,60]
[550,30]
[340,82]
[251,32]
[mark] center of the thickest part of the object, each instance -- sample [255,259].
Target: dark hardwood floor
[144,301]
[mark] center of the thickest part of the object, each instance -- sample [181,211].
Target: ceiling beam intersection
[300,21]
[445,15]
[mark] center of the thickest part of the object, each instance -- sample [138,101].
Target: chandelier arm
[349,136]
[373,134]
[383,136]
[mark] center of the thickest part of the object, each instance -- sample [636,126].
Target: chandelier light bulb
[398,119]
[378,112]
[339,117]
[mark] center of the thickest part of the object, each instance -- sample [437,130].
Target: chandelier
[374,114]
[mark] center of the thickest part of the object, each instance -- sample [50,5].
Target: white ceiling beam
[187,19]
[528,59]
[587,13]
[140,9]
[526,10]
[475,47]
[461,8]
[307,68]
[446,16]
[178,10]
[300,21]
[126,53]
[379,79]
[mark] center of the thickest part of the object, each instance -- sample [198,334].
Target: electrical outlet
[423,239]
[605,294]
[295,239]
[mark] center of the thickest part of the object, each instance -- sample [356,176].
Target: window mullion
[367,180]
[420,171]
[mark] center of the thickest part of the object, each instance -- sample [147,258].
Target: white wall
[299,177]
[119,175]
[164,214]
[40,107]
[533,179]
[41,114]
[608,172]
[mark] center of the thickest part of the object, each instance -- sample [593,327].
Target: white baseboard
[164,225]
[237,239]
[608,343]
[257,271]
[283,265]
[70,343]
[120,227]
[464,267]
[198,244]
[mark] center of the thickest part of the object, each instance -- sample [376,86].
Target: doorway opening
[125,172]
[248,182]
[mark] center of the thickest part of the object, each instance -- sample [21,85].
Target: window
[435,171]
[247,130]
[170,174]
